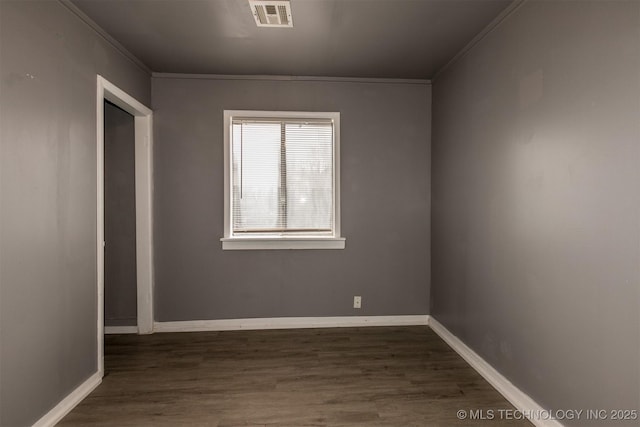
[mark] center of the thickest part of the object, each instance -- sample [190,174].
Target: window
[282,182]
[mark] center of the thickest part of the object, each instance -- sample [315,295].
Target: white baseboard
[120,330]
[289,323]
[65,406]
[522,401]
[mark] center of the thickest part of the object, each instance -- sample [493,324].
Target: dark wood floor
[392,376]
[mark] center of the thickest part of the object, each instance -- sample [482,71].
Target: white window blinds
[282,176]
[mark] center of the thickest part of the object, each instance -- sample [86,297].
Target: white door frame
[143,117]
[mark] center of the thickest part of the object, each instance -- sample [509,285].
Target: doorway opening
[142,124]
[120,288]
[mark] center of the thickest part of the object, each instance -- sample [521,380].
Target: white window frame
[231,242]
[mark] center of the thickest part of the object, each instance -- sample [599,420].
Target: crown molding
[495,23]
[106,36]
[289,78]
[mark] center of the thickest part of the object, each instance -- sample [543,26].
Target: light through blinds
[282,176]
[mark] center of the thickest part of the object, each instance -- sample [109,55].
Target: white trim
[100,222]
[114,94]
[144,192]
[495,23]
[114,330]
[236,244]
[230,242]
[522,401]
[290,78]
[106,36]
[65,406]
[337,226]
[289,323]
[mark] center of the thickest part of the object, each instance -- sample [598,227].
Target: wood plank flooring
[391,376]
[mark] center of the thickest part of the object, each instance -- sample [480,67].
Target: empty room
[320,213]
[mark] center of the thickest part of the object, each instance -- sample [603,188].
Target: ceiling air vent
[271,13]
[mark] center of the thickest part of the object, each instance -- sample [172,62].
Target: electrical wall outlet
[357,302]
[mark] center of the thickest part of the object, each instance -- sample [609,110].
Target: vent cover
[271,13]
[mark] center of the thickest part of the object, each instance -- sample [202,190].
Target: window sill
[269,243]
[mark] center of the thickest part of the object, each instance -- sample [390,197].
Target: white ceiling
[330,38]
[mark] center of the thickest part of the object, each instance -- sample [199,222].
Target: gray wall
[120,290]
[385,156]
[536,151]
[48,65]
